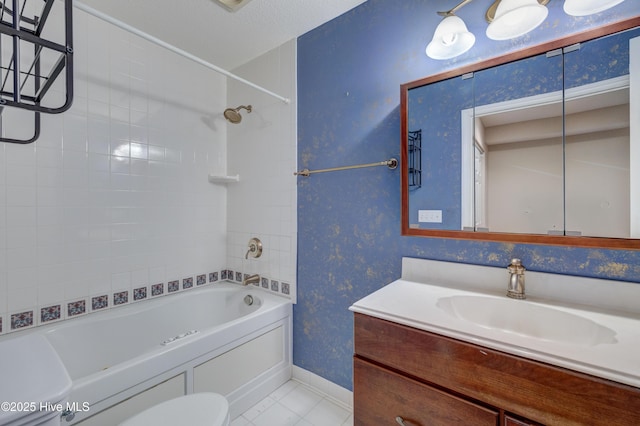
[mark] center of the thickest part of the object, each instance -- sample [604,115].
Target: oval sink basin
[527,319]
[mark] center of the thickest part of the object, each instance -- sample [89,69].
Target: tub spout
[251,279]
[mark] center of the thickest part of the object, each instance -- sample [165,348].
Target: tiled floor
[296,404]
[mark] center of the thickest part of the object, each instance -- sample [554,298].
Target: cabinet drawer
[381,395]
[543,393]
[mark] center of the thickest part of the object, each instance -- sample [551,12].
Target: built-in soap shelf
[223,179]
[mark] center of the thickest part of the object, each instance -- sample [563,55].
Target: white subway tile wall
[113,198]
[263,152]
[112,204]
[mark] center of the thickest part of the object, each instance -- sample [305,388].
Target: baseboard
[327,387]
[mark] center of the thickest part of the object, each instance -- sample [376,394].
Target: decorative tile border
[76,308]
[120,298]
[187,283]
[21,320]
[157,289]
[139,293]
[48,314]
[99,302]
[173,286]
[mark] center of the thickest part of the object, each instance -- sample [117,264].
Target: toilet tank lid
[31,371]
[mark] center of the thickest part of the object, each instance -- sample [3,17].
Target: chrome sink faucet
[251,279]
[515,289]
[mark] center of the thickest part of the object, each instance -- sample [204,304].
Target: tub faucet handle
[255,248]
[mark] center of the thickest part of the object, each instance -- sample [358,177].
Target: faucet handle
[255,248]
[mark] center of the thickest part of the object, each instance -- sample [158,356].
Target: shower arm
[155,40]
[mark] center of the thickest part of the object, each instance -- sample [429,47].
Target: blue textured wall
[349,243]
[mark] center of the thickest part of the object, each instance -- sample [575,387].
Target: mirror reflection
[538,146]
[440,126]
[518,146]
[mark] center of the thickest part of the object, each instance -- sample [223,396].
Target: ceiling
[207,30]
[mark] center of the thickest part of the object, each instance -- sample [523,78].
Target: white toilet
[35,384]
[198,409]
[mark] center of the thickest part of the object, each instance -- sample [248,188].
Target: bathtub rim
[148,303]
[276,310]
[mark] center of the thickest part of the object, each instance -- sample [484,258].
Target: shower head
[233,114]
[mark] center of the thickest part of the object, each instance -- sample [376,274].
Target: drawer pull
[400,421]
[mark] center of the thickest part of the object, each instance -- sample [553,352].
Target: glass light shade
[515,18]
[452,38]
[588,7]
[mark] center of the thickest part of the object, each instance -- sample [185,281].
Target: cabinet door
[381,396]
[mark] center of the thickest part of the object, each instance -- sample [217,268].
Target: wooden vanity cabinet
[429,379]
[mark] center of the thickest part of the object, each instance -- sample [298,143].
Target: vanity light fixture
[507,19]
[452,38]
[588,7]
[514,18]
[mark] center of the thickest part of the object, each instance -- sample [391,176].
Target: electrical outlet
[430,216]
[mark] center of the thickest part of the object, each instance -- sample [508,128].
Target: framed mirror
[533,147]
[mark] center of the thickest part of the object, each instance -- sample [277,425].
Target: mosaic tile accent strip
[120,298]
[21,320]
[268,284]
[173,286]
[99,302]
[139,293]
[157,289]
[187,283]
[50,313]
[46,314]
[76,308]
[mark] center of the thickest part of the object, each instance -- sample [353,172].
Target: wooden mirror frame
[563,240]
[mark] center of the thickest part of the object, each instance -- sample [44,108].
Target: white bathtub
[118,354]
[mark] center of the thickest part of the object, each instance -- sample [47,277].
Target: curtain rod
[155,40]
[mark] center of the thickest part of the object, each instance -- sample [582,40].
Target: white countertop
[415,304]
